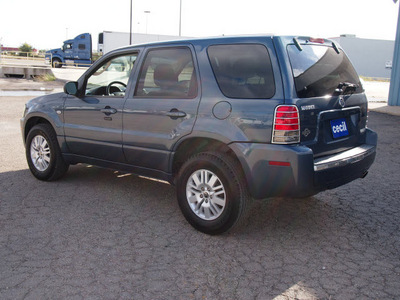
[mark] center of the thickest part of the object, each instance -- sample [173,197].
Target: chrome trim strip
[344,158]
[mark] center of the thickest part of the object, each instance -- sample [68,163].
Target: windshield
[318,70]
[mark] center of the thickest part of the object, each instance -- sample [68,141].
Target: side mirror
[71,88]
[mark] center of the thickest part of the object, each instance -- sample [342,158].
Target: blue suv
[223,119]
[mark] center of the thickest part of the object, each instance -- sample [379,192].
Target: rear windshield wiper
[345,88]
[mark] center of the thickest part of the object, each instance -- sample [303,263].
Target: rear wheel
[212,192]
[43,153]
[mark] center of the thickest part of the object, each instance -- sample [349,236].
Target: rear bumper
[343,169]
[278,170]
[345,158]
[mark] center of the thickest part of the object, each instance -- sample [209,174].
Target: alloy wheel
[40,153]
[206,194]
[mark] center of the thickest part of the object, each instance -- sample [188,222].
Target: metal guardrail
[29,59]
[71,64]
[22,59]
[67,63]
[22,55]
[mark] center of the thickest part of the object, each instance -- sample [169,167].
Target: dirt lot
[99,234]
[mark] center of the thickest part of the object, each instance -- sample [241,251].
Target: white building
[371,58]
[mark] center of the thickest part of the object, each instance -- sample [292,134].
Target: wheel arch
[55,56]
[45,159]
[35,120]
[31,122]
[194,145]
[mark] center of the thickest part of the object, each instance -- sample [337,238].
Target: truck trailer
[110,40]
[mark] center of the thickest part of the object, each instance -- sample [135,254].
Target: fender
[52,113]
[59,57]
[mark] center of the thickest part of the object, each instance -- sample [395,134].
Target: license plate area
[339,128]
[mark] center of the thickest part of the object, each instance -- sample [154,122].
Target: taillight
[286,125]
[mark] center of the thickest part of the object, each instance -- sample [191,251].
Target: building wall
[394,91]
[371,58]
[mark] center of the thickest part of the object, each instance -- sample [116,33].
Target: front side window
[243,70]
[168,73]
[67,46]
[318,70]
[111,78]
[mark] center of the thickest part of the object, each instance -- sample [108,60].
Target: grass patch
[46,77]
[378,79]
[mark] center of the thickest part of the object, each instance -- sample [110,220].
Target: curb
[390,110]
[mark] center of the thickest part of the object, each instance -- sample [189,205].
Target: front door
[93,124]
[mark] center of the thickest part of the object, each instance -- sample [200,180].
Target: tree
[26,48]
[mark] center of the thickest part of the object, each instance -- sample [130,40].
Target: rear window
[243,70]
[318,70]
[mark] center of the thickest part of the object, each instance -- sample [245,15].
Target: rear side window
[168,73]
[243,70]
[318,70]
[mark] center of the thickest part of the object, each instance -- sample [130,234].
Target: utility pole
[180,17]
[130,27]
[394,90]
[147,12]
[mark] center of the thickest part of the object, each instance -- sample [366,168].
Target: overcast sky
[45,24]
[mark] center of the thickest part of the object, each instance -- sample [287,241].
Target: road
[100,234]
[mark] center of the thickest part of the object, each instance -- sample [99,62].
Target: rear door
[329,96]
[162,108]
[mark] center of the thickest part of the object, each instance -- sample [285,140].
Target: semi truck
[77,52]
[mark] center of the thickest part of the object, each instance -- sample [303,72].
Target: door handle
[175,114]
[108,110]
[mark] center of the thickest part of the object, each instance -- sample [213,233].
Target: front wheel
[56,63]
[212,192]
[43,153]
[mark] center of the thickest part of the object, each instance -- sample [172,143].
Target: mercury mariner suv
[223,119]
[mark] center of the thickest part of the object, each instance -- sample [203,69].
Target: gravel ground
[100,234]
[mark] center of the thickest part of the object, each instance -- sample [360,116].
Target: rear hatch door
[329,96]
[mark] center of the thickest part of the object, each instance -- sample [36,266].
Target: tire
[212,192]
[56,63]
[43,153]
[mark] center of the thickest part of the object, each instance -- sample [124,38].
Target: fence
[30,59]
[22,59]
